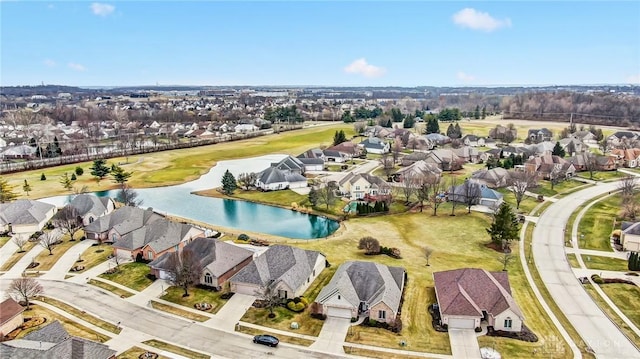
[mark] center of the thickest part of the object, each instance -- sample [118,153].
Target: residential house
[466,297]
[629,157]
[477,193]
[245,127]
[375,145]
[363,186]
[585,160]
[473,141]
[119,223]
[363,288]
[446,160]
[89,207]
[347,150]
[467,154]
[539,135]
[25,216]
[18,152]
[154,239]
[630,236]
[438,139]
[219,260]
[420,143]
[313,160]
[288,173]
[287,271]
[585,136]
[620,137]
[53,342]
[546,165]
[503,133]
[572,145]
[417,169]
[10,316]
[492,153]
[335,156]
[494,178]
[414,157]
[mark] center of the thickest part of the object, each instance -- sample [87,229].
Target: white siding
[499,321]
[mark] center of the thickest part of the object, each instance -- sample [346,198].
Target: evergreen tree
[476,113]
[7,192]
[409,122]
[73,177]
[396,115]
[43,177]
[66,182]
[79,171]
[346,117]
[99,170]
[432,125]
[458,130]
[451,131]
[339,137]
[313,196]
[228,183]
[26,187]
[504,228]
[558,150]
[484,112]
[120,176]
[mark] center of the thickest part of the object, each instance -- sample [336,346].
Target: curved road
[595,328]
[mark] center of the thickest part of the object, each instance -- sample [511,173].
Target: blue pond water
[178,200]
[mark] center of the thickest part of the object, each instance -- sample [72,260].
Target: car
[265,339]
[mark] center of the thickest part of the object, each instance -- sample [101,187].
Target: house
[547,165]
[492,153]
[420,143]
[154,239]
[539,135]
[584,161]
[363,288]
[288,173]
[313,159]
[503,133]
[438,139]
[119,223]
[446,160]
[89,207]
[494,178]
[287,271]
[53,342]
[621,137]
[347,150]
[25,216]
[243,128]
[375,145]
[467,154]
[585,136]
[629,157]
[473,141]
[10,316]
[477,193]
[18,152]
[417,169]
[469,296]
[335,156]
[572,145]
[219,260]
[363,185]
[630,236]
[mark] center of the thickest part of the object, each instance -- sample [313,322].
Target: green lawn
[196,295]
[605,263]
[609,311]
[597,224]
[4,240]
[111,288]
[75,329]
[282,338]
[283,319]
[135,353]
[526,205]
[17,255]
[179,312]
[625,297]
[94,255]
[132,275]
[544,187]
[176,349]
[47,261]
[602,175]
[83,315]
[573,261]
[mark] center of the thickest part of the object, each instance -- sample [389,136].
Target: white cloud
[49,63]
[464,77]
[361,67]
[76,67]
[634,79]
[101,9]
[477,20]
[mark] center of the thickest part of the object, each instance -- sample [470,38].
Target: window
[176,247]
[508,322]
[114,237]
[149,255]
[357,188]
[90,219]
[338,296]
[314,272]
[208,279]
[382,314]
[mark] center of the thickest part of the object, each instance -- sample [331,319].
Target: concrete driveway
[332,335]
[229,315]
[464,343]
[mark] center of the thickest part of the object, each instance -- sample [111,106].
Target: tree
[120,176]
[128,196]
[247,180]
[118,258]
[25,288]
[339,137]
[370,245]
[505,259]
[228,183]
[79,171]
[67,220]
[505,227]
[185,269]
[476,113]
[432,125]
[554,176]
[396,149]
[453,184]
[396,115]
[484,112]
[269,296]
[520,182]
[327,193]
[409,122]
[408,185]
[435,198]
[387,164]
[558,150]
[99,170]
[20,241]
[590,164]
[313,196]
[471,193]
[627,187]
[43,177]
[49,240]
[7,192]
[346,117]
[428,252]
[26,187]
[66,182]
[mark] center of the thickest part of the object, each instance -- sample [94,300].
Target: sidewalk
[154,291]
[596,253]
[231,312]
[21,265]
[7,251]
[68,259]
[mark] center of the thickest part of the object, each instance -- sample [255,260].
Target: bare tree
[49,240]
[505,259]
[184,269]
[520,182]
[269,296]
[590,163]
[387,163]
[436,198]
[423,190]
[428,251]
[20,240]
[128,196]
[630,210]
[470,194]
[68,220]
[408,187]
[627,187]
[452,184]
[369,244]
[396,149]
[25,288]
[554,176]
[247,180]
[327,193]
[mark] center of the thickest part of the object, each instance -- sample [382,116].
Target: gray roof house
[90,207]
[363,288]
[273,179]
[494,178]
[477,193]
[375,145]
[54,342]
[288,271]
[220,260]
[416,170]
[630,238]
[25,216]
[313,159]
[118,223]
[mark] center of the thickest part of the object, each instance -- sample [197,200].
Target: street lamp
[582,239]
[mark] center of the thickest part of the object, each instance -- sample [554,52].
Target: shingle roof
[370,282]
[24,211]
[271,175]
[469,291]
[161,235]
[123,220]
[289,163]
[631,228]
[89,204]
[9,308]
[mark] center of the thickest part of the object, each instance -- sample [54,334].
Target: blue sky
[330,43]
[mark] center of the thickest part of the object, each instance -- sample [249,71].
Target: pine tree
[484,112]
[26,187]
[476,113]
[99,170]
[43,177]
[313,196]
[228,183]
[7,193]
[339,137]
[558,150]
[66,182]
[504,228]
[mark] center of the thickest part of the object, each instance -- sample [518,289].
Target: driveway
[332,335]
[594,327]
[464,344]
[68,260]
[229,315]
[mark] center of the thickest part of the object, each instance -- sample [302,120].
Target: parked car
[269,340]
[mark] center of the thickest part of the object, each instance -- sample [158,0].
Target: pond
[179,201]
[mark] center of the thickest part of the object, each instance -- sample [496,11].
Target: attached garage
[164,275]
[339,312]
[462,323]
[244,288]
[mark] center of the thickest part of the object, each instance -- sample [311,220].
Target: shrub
[243,237]
[318,316]
[596,279]
[73,177]
[43,177]
[478,329]
[372,322]
[296,300]
[79,171]
[396,327]
[304,300]
[296,307]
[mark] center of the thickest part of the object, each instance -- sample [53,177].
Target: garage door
[164,275]
[242,288]
[339,312]
[459,323]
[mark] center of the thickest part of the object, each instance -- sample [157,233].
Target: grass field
[177,311]
[83,315]
[94,255]
[602,175]
[131,275]
[625,297]
[176,349]
[609,311]
[196,295]
[282,338]
[544,187]
[605,263]
[75,329]
[47,261]
[108,287]
[17,255]
[4,240]
[135,353]
[573,261]
[597,224]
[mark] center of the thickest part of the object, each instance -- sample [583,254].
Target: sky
[323,43]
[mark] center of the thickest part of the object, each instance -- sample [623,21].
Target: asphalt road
[595,328]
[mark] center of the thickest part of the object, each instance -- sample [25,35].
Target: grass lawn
[598,223]
[376,354]
[544,187]
[573,261]
[135,353]
[602,175]
[283,319]
[75,329]
[132,275]
[177,311]
[111,288]
[83,315]
[609,311]
[4,240]
[605,263]
[526,205]
[196,295]
[625,297]
[282,338]
[94,255]
[176,349]
[47,261]
[17,255]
